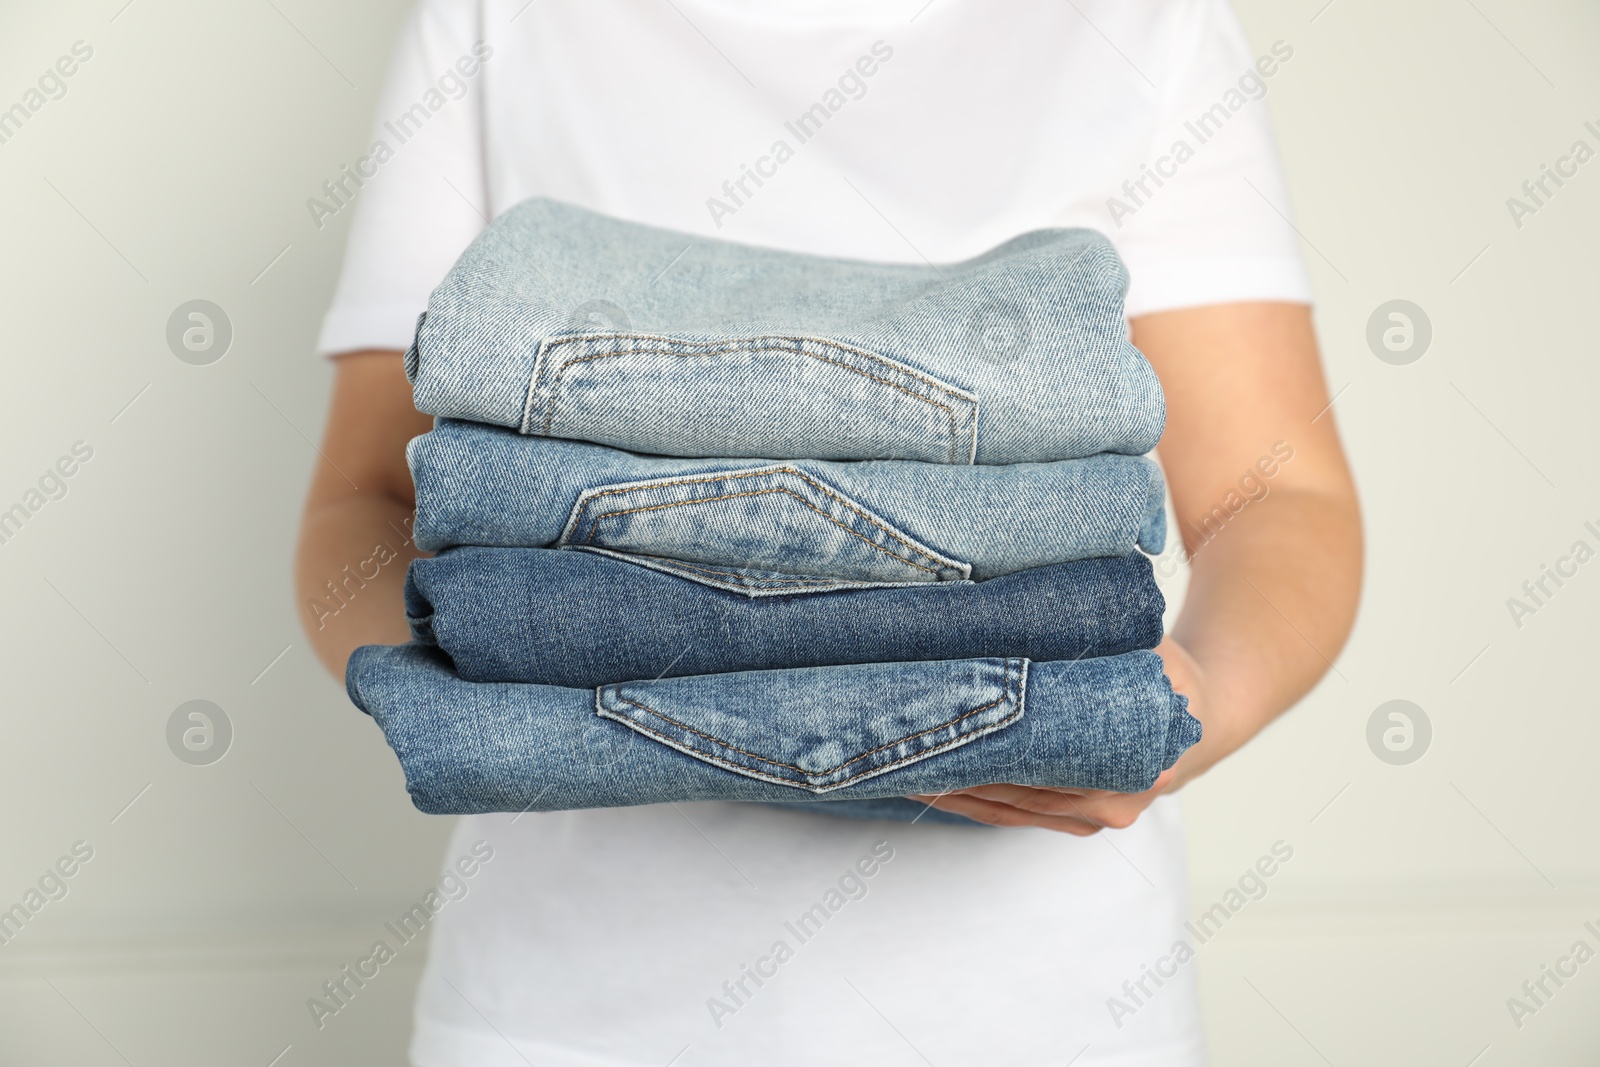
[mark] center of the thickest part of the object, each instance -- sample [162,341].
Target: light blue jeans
[872,521]
[559,322]
[872,731]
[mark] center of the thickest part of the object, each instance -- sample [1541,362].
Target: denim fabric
[825,733]
[562,323]
[581,619]
[892,809]
[872,521]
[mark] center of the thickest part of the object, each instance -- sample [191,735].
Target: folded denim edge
[1183,730]
[352,676]
[419,610]
[1153,532]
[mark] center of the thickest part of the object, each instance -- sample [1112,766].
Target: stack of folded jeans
[716,522]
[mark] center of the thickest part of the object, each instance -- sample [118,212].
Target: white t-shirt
[895,130]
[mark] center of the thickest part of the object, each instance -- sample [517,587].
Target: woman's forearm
[1272,597]
[350,572]
[355,533]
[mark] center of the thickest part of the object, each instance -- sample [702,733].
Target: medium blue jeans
[580,619]
[562,323]
[872,521]
[824,733]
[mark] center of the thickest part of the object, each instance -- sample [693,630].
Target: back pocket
[823,728]
[799,397]
[777,519]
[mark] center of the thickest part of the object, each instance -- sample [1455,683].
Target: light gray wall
[176,167]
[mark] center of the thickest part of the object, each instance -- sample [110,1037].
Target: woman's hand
[1088,811]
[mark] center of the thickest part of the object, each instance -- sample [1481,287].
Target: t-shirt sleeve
[421,198]
[1207,220]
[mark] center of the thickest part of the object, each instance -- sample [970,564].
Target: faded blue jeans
[580,619]
[822,733]
[872,521]
[559,322]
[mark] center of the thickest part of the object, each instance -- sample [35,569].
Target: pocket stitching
[736,574]
[757,344]
[819,486]
[593,529]
[1011,675]
[742,583]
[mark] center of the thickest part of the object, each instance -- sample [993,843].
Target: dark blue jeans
[580,619]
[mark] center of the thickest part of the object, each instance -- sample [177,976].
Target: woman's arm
[355,534]
[1275,558]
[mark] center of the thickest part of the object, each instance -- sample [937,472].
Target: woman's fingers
[1041,801]
[1097,808]
[1073,811]
[997,814]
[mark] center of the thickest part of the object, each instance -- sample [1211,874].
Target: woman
[916,132]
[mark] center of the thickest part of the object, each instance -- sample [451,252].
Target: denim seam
[765,340]
[755,344]
[1011,676]
[949,412]
[760,776]
[741,582]
[820,582]
[539,362]
[593,528]
[820,486]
